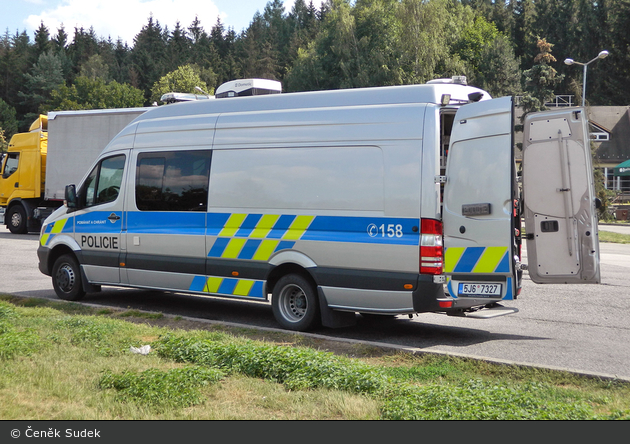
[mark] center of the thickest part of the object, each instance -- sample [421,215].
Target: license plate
[477,289]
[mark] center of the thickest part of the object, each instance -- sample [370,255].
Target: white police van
[385,201]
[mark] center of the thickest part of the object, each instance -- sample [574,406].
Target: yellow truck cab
[23,173]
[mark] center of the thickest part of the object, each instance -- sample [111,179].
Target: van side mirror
[71,196]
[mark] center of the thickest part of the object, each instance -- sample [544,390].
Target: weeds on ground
[57,365]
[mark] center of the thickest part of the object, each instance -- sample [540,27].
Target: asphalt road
[581,328]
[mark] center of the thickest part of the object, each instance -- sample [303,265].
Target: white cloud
[124,18]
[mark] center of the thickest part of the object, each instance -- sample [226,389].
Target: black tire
[16,220]
[295,303]
[66,278]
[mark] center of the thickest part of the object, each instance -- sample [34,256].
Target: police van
[379,201]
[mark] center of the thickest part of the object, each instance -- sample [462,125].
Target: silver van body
[390,200]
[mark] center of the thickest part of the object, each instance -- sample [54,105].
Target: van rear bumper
[425,296]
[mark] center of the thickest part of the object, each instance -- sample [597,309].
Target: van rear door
[559,198]
[481,248]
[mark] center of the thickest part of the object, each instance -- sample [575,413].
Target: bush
[156,388]
[295,367]
[14,342]
[481,400]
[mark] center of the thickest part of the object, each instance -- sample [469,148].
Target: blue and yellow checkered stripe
[258,236]
[51,230]
[483,260]
[477,260]
[228,286]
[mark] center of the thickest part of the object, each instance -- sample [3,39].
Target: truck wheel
[16,220]
[66,277]
[295,304]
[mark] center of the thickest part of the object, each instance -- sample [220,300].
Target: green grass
[618,238]
[62,362]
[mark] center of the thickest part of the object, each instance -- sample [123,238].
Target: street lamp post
[601,55]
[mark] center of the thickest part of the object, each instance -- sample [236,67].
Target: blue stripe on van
[373,230]
[281,226]
[248,225]
[165,222]
[249,249]
[97,222]
[468,260]
[228,285]
[198,283]
[510,290]
[216,222]
[284,245]
[257,290]
[219,246]
[504,265]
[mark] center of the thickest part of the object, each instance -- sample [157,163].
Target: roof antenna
[202,91]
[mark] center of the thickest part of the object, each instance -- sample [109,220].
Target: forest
[507,47]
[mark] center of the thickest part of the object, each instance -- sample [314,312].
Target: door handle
[113,217]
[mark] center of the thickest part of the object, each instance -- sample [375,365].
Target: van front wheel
[66,277]
[294,303]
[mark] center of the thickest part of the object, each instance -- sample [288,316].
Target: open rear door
[559,198]
[482,248]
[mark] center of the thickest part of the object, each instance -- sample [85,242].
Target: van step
[493,312]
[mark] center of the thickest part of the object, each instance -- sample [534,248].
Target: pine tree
[42,43]
[540,80]
[8,120]
[45,76]
[148,55]
[178,49]
[498,70]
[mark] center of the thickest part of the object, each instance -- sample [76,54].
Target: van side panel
[339,188]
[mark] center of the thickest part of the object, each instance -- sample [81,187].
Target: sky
[125,18]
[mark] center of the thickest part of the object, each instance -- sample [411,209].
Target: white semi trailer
[57,150]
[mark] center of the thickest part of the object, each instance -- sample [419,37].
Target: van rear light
[431,247]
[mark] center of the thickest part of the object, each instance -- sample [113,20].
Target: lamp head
[603,54]
[568,61]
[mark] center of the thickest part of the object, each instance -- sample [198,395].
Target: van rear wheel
[295,304]
[66,277]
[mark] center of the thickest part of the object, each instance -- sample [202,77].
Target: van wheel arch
[58,251]
[282,270]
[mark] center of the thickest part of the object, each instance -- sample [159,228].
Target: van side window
[103,183]
[173,180]
[11,164]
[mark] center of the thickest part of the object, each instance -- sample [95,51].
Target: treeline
[506,47]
